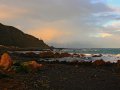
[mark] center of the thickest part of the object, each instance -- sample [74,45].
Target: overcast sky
[66,23]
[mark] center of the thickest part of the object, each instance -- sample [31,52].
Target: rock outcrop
[6,61]
[33,65]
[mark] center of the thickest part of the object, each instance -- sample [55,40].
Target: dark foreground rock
[65,77]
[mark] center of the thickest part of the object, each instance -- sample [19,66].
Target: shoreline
[59,75]
[64,56]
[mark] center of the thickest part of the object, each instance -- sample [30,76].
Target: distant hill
[11,36]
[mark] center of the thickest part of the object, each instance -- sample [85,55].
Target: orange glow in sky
[47,34]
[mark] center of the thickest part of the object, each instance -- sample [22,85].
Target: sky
[66,23]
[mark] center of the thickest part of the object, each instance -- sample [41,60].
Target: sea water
[108,54]
[94,50]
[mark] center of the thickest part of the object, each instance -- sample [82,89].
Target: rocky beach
[59,44]
[57,75]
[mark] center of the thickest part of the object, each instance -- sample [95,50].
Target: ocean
[94,50]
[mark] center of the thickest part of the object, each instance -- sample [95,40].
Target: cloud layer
[66,23]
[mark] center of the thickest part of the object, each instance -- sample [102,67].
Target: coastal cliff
[11,36]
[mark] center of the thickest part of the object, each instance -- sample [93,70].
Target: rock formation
[33,65]
[6,61]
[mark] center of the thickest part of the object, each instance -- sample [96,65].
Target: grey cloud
[75,16]
[51,10]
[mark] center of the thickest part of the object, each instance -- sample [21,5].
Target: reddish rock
[65,55]
[33,65]
[99,63]
[6,61]
[76,55]
[47,54]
